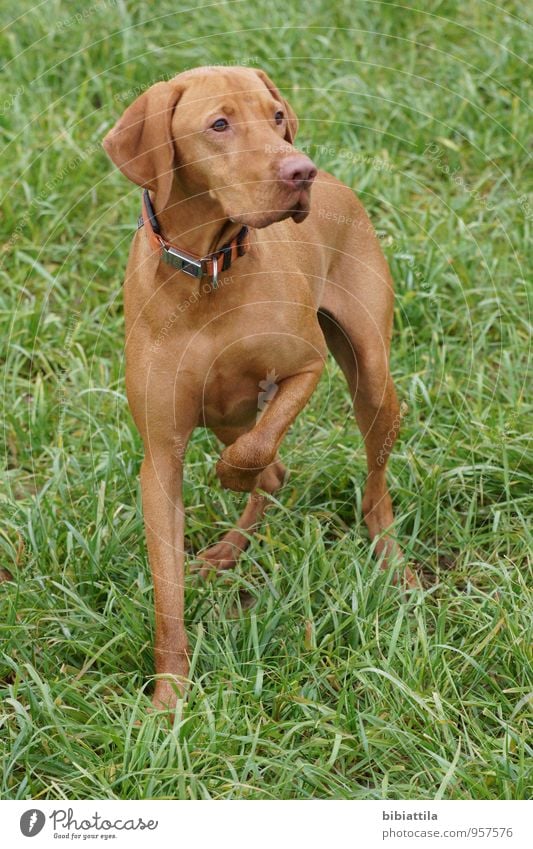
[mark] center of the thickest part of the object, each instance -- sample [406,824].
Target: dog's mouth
[297,209]
[300,205]
[300,210]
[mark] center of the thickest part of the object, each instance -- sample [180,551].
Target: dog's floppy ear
[292,120]
[141,143]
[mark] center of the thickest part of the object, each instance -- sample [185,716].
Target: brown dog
[227,189]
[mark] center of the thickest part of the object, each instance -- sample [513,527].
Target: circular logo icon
[32,822]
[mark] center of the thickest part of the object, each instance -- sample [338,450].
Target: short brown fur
[314,278]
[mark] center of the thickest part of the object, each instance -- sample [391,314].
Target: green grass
[330,683]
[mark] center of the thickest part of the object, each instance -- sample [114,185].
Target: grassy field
[313,675]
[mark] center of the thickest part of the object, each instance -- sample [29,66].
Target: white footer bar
[268,824]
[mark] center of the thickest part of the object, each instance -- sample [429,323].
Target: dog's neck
[197,225]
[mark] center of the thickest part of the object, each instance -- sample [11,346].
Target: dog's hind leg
[357,333]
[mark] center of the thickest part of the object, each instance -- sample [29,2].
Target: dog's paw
[169,689]
[407,578]
[241,463]
[235,478]
[217,558]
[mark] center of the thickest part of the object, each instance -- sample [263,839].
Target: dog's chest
[243,375]
[242,356]
[228,349]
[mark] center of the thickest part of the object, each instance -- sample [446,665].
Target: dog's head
[225,132]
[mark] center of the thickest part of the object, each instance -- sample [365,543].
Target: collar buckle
[194,266]
[181,260]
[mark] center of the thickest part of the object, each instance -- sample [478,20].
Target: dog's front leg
[161,484]
[242,462]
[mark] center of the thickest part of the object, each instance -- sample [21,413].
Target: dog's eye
[279,117]
[220,125]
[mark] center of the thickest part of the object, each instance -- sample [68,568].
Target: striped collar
[205,266]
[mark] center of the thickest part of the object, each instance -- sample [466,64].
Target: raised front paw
[242,463]
[235,478]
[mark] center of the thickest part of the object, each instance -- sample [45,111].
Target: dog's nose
[297,171]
